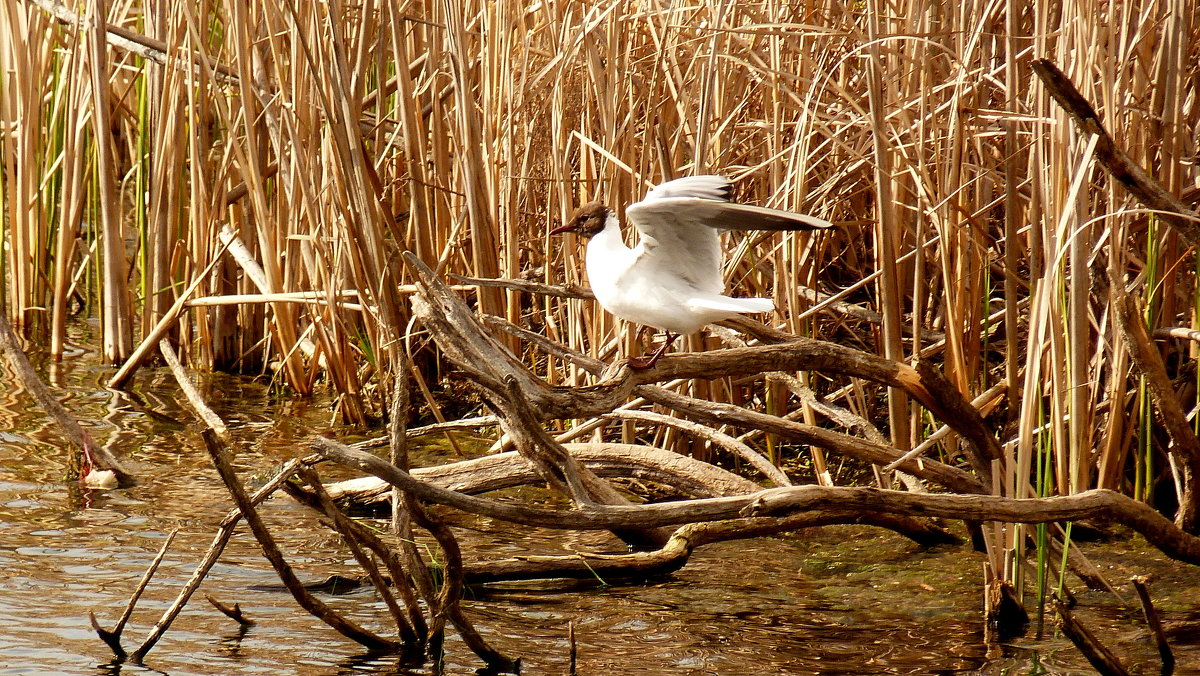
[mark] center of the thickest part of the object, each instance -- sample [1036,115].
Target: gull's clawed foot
[642,363]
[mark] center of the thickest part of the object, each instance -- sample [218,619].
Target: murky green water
[845,600]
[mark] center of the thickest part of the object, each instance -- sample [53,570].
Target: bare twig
[687,476]
[350,536]
[113,638]
[312,604]
[233,612]
[224,533]
[552,290]
[1100,657]
[401,579]
[1152,620]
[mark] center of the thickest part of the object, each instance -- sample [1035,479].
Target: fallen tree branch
[728,414]
[1185,446]
[340,523]
[687,476]
[306,600]
[96,458]
[224,534]
[1096,503]
[113,638]
[1165,654]
[716,438]
[960,415]
[1100,657]
[686,539]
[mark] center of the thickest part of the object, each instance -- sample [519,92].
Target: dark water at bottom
[840,600]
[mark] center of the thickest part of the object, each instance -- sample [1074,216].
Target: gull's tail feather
[726,304]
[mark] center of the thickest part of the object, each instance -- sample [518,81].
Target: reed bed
[323,139]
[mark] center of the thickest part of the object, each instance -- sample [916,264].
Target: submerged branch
[96,457]
[686,539]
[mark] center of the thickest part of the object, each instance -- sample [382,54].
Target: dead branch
[307,601]
[340,523]
[1119,165]
[224,533]
[404,582]
[113,638]
[1184,220]
[719,439]
[96,458]
[687,476]
[450,596]
[1140,583]
[1097,654]
[844,444]
[202,409]
[727,414]
[686,539]
[1096,503]
[964,418]
[233,612]
[445,604]
[1185,446]
[506,384]
[539,288]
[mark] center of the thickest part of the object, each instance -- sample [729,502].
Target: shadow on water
[844,600]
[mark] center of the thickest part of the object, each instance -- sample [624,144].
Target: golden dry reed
[269,148]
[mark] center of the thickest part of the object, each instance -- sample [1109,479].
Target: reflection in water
[844,600]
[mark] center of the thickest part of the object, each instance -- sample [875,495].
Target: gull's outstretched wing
[680,222]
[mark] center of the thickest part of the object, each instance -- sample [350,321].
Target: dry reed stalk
[72,202]
[29,73]
[117,313]
[167,146]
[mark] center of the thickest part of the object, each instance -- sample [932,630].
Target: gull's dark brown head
[587,220]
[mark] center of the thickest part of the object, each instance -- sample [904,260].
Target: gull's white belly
[635,291]
[663,301]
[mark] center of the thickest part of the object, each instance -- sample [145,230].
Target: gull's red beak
[569,227]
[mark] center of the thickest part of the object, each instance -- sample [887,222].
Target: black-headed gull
[671,279]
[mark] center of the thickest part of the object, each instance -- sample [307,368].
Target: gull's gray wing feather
[680,223]
[709,187]
[672,241]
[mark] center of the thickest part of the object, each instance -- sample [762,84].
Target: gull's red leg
[642,363]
